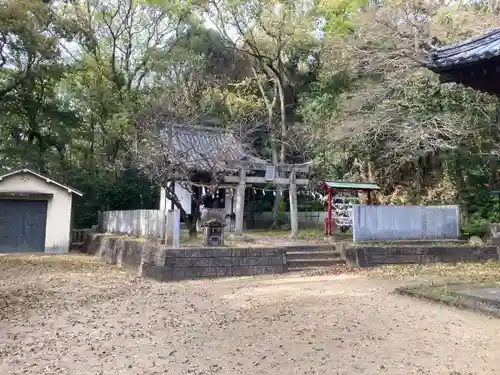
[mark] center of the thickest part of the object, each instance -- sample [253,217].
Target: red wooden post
[328,228]
[333,224]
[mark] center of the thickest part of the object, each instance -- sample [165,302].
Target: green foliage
[483,205]
[310,204]
[326,80]
[340,15]
[323,96]
[478,226]
[71,86]
[103,191]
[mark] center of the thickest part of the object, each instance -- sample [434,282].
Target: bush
[477,228]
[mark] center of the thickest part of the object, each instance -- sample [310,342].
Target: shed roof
[46,179]
[472,50]
[351,185]
[206,148]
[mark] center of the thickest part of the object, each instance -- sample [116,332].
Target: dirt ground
[72,315]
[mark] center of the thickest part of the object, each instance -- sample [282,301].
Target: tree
[25,45]
[169,150]
[122,46]
[35,122]
[337,80]
[396,123]
[278,40]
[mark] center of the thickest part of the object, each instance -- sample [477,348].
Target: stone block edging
[156,261]
[370,256]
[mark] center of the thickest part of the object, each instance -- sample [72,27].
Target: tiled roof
[208,148]
[471,50]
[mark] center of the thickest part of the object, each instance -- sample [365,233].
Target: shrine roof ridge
[352,185]
[483,47]
[206,147]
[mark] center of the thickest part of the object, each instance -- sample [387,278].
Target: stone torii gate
[282,174]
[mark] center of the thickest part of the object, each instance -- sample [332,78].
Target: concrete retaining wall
[158,262]
[370,256]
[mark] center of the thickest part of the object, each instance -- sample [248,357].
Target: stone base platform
[156,261]
[476,298]
[483,299]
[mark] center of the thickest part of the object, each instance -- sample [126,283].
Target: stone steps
[310,248]
[312,255]
[306,263]
[304,269]
[300,258]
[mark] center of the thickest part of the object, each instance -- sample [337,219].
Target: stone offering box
[213,222]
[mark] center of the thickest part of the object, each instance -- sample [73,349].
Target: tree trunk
[189,220]
[270,104]
[192,224]
[282,156]
[279,193]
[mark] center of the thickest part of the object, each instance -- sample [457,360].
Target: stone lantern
[213,221]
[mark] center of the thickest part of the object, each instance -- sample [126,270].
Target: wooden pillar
[333,227]
[240,203]
[368,193]
[328,229]
[294,220]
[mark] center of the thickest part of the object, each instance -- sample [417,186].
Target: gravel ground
[72,315]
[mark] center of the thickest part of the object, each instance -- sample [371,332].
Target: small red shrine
[333,187]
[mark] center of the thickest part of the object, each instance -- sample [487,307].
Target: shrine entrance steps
[306,257]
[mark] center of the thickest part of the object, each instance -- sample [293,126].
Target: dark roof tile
[207,148]
[471,50]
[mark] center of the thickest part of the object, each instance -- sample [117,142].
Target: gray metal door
[22,225]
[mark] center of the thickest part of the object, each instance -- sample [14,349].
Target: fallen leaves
[33,282]
[339,269]
[463,272]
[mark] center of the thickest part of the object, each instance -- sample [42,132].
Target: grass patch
[472,273]
[256,238]
[284,233]
[127,237]
[413,243]
[43,263]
